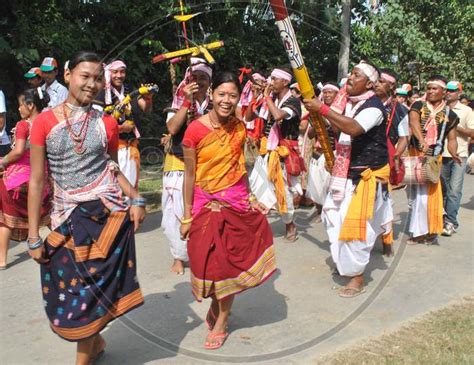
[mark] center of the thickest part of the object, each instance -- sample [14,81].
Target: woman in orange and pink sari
[230,243]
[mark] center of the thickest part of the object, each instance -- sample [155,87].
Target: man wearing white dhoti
[274,179]
[191,100]
[356,210]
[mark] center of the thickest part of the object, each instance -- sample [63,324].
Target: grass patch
[442,337]
[151,190]
[152,185]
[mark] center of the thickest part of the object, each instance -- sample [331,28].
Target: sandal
[355,292]
[431,240]
[412,241]
[291,237]
[211,319]
[215,341]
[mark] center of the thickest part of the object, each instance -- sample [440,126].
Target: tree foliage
[418,38]
[411,36]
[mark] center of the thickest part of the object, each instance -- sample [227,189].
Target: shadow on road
[152,222]
[167,318]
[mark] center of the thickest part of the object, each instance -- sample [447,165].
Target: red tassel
[243,71]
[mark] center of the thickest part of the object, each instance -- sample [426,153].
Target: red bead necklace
[77,138]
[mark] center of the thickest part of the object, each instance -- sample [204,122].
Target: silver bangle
[36,244]
[138,202]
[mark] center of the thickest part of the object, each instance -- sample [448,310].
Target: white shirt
[57,93]
[466,120]
[4,139]
[369,118]
[403,128]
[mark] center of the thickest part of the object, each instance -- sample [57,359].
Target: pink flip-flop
[215,341]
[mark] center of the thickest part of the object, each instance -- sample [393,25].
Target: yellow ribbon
[263,146]
[362,205]
[275,175]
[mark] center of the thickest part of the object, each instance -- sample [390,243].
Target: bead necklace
[77,138]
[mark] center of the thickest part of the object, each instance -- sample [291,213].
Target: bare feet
[354,288]
[177,267]
[387,250]
[291,234]
[98,349]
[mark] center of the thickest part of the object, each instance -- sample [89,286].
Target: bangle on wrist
[34,245]
[186,104]
[186,220]
[324,110]
[138,202]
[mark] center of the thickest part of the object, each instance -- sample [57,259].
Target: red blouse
[46,121]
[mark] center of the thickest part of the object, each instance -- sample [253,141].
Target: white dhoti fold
[418,209]
[389,226]
[351,257]
[128,165]
[264,189]
[318,180]
[173,209]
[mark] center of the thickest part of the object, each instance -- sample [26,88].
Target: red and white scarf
[113,66]
[343,149]
[197,64]
[431,127]
[275,135]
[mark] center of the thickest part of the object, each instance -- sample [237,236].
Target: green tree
[418,38]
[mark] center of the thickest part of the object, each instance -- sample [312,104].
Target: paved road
[293,319]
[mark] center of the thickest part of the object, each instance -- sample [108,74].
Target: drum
[421,169]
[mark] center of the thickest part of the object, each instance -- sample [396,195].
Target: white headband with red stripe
[330,87]
[438,83]
[368,70]
[388,77]
[281,74]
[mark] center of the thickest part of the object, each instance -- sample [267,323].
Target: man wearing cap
[402,97]
[4,139]
[270,180]
[452,174]
[114,92]
[56,91]
[191,100]
[33,77]
[432,122]
[356,210]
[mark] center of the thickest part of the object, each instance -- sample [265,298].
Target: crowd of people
[236,150]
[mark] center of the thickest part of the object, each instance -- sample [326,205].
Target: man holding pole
[357,209]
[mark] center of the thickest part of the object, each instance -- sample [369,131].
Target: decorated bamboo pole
[288,36]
